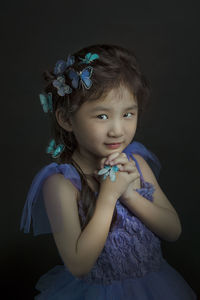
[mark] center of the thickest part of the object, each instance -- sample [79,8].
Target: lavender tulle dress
[131,265]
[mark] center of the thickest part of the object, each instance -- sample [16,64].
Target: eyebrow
[97,108]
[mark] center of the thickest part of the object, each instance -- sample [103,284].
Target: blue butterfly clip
[89,57]
[46,102]
[62,88]
[62,65]
[109,171]
[83,76]
[53,149]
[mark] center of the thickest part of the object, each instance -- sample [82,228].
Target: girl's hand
[124,165]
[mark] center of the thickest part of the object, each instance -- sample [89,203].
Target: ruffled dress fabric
[131,264]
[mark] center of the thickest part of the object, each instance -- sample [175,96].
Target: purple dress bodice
[131,249]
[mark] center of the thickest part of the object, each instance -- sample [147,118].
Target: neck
[92,181]
[87,165]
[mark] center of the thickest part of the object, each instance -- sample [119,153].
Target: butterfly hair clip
[83,77]
[61,86]
[54,150]
[46,102]
[109,171]
[89,57]
[62,65]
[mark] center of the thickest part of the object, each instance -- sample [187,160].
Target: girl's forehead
[120,96]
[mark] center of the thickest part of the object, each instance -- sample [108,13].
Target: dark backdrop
[165,37]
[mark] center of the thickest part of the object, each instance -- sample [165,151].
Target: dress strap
[138,148]
[137,165]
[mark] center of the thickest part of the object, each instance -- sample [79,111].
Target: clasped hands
[121,161]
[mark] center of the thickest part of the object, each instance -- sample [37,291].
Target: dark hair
[116,66]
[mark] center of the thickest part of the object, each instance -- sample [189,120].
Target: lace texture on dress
[131,249]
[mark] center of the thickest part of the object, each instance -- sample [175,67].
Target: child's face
[95,127]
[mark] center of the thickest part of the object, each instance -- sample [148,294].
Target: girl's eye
[130,113]
[100,116]
[106,115]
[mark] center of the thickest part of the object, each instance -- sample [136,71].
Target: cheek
[132,126]
[96,132]
[135,123]
[131,130]
[88,131]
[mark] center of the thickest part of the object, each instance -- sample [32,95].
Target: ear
[63,123]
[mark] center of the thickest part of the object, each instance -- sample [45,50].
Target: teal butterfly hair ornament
[89,57]
[54,150]
[109,171]
[46,102]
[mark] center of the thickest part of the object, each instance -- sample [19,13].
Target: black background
[165,38]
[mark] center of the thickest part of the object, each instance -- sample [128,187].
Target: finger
[130,169]
[107,160]
[111,157]
[102,162]
[121,155]
[134,175]
[120,159]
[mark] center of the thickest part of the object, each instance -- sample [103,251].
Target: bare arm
[161,221]
[78,249]
[159,215]
[93,237]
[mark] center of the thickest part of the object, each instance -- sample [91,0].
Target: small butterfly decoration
[89,57]
[46,102]
[53,149]
[61,86]
[83,77]
[62,65]
[109,171]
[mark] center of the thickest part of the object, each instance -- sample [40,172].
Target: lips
[113,146]
[113,143]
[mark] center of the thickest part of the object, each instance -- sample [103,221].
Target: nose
[115,129]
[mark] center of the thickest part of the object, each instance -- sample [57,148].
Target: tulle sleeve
[150,157]
[34,211]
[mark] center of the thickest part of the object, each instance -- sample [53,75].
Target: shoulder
[61,200]
[150,157]
[57,185]
[57,179]
[145,169]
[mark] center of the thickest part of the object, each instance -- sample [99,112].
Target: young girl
[101,200]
